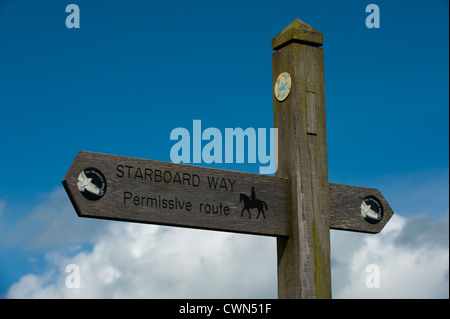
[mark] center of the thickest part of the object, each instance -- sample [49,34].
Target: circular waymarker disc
[92,183]
[371,210]
[282,86]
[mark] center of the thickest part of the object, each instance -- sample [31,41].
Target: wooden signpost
[162,193]
[315,205]
[298,206]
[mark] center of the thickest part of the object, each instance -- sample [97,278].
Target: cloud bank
[412,257]
[126,260]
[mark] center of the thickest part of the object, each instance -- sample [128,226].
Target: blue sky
[136,70]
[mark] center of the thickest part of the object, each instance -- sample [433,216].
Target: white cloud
[142,261]
[129,260]
[54,224]
[413,262]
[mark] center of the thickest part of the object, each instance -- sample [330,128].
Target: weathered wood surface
[304,257]
[300,206]
[144,191]
[345,208]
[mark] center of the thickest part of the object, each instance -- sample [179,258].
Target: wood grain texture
[345,208]
[299,32]
[304,257]
[144,195]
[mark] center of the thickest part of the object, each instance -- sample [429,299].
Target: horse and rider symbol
[252,202]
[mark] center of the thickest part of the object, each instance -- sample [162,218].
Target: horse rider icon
[252,202]
[252,196]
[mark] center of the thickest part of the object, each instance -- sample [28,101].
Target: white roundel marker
[282,86]
[371,210]
[91,183]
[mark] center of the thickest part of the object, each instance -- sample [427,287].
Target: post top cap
[300,32]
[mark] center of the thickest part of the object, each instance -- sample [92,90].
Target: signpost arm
[304,256]
[146,191]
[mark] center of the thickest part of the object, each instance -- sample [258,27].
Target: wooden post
[300,215]
[304,256]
